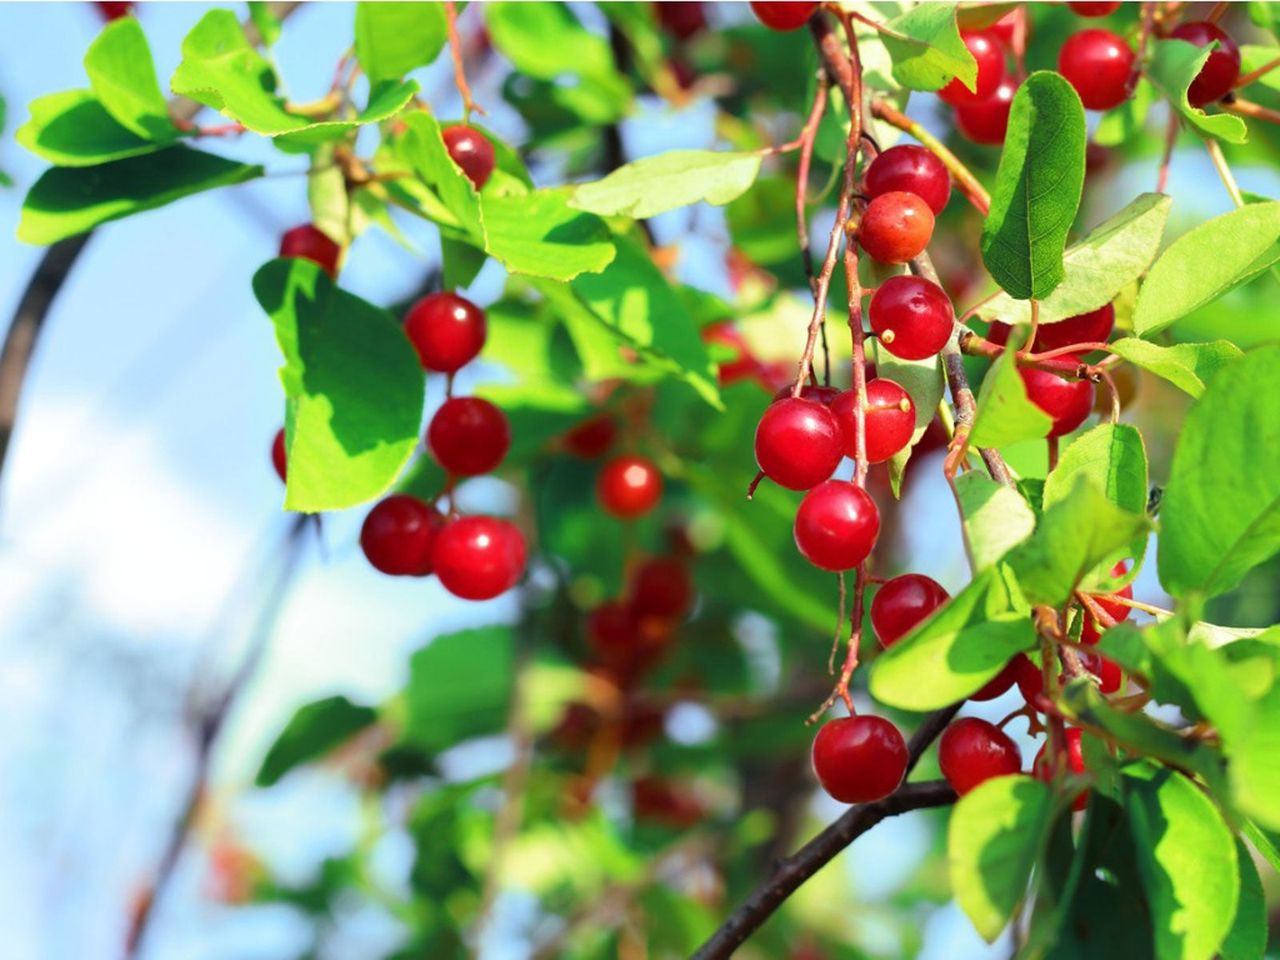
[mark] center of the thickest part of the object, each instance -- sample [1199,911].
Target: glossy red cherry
[912,169]
[998,685]
[783,15]
[1091,631]
[308,242]
[629,486]
[836,525]
[859,759]
[972,751]
[477,558]
[987,121]
[895,227]
[1092,327]
[1069,402]
[912,317]
[471,150]
[661,588]
[1028,677]
[278,458]
[1099,65]
[469,436]
[1220,72]
[592,437]
[1094,8]
[890,419]
[902,603]
[399,534]
[1043,769]
[817,392]
[680,19]
[989,54]
[1110,677]
[447,331]
[798,443]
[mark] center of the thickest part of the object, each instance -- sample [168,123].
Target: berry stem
[968,183]
[1257,74]
[1224,171]
[807,137]
[469,106]
[1254,111]
[1150,608]
[1170,138]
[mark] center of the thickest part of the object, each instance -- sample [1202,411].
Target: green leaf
[1187,859]
[448,699]
[1005,414]
[1205,262]
[66,201]
[1220,515]
[353,386]
[422,146]
[926,48]
[1247,938]
[312,732]
[1172,67]
[1129,120]
[329,201]
[922,379]
[1037,189]
[1188,366]
[1114,459]
[1081,530]
[394,38]
[71,129]
[540,235]
[996,518]
[266,22]
[996,835]
[1265,842]
[460,262]
[669,180]
[955,651]
[1114,255]
[123,77]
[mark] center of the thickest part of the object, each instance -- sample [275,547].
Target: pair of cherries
[908,187]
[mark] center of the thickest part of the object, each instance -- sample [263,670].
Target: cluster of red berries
[861,759]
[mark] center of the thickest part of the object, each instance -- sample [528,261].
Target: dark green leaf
[312,732]
[1247,938]
[71,129]
[459,687]
[394,38]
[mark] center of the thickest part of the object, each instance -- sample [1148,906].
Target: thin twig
[1252,75]
[1166,159]
[1247,108]
[808,135]
[1224,171]
[469,106]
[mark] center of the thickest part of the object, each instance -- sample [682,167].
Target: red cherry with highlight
[902,603]
[278,457]
[1220,72]
[399,534]
[987,121]
[469,436]
[910,169]
[859,759]
[446,330]
[1094,8]
[972,751]
[1068,402]
[471,150]
[781,15]
[890,418]
[989,54]
[478,558]
[836,525]
[895,227]
[1099,65]
[308,242]
[629,486]
[912,317]
[798,443]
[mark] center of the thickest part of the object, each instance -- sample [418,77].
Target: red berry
[680,19]
[661,588]
[743,363]
[446,330]
[1108,672]
[657,800]
[895,227]
[1043,769]
[798,443]
[592,437]
[987,121]
[1028,677]
[972,751]
[1092,327]
[998,685]
[113,9]
[469,436]
[1005,26]
[611,633]
[890,418]
[1099,65]
[310,243]
[836,525]
[1094,8]
[783,15]
[902,603]
[1220,72]
[278,459]
[1069,402]
[987,51]
[398,535]
[471,150]
[629,486]
[912,169]
[1091,631]
[911,316]
[477,558]
[859,759]
[816,392]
